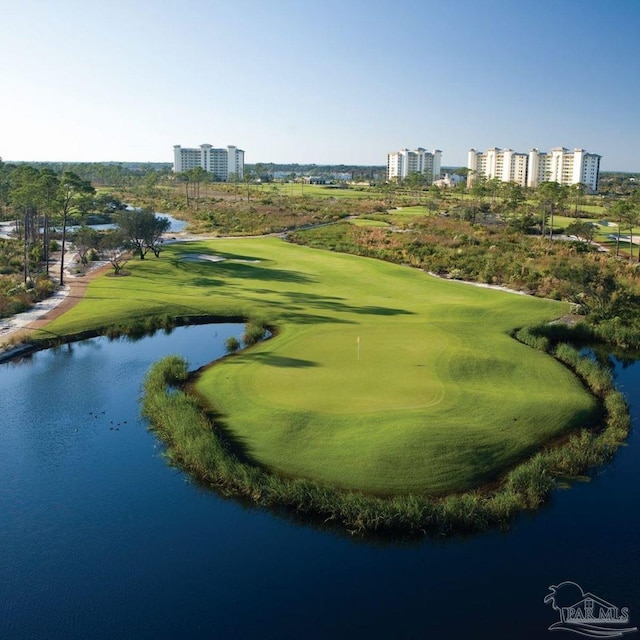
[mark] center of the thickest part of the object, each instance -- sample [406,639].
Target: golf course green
[379,377]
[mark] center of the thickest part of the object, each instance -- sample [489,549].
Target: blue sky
[325,82]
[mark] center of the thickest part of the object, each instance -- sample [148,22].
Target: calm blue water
[100,538]
[175,224]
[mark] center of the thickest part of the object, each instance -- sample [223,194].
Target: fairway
[380,378]
[365,222]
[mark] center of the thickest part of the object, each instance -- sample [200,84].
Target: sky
[331,82]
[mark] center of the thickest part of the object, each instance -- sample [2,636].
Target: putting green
[435,397]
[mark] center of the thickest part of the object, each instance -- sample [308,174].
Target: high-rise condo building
[504,164]
[564,167]
[401,163]
[559,165]
[224,164]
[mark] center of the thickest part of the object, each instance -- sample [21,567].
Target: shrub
[254,331]
[232,344]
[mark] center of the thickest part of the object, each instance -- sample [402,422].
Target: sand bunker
[206,257]
[202,257]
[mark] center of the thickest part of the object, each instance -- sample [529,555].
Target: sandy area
[480,284]
[201,257]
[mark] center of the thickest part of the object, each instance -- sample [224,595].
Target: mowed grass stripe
[441,399]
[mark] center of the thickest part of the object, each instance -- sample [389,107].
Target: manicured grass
[410,211]
[564,221]
[441,398]
[596,209]
[364,222]
[316,190]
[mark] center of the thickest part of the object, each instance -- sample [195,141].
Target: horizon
[318,164]
[287,80]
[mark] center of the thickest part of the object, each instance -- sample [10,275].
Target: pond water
[100,538]
[175,225]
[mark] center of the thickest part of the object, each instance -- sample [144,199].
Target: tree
[25,197]
[248,178]
[5,186]
[513,195]
[150,182]
[114,246]
[479,191]
[84,240]
[620,211]
[49,187]
[185,179]
[195,177]
[634,218]
[494,186]
[415,180]
[596,288]
[72,192]
[631,219]
[522,219]
[577,191]
[143,230]
[108,204]
[552,198]
[463,172]
[234,178]
[583,230]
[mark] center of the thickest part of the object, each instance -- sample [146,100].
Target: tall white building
[559,165]
[224,164]
[564,167]
[401,163]
[504,164]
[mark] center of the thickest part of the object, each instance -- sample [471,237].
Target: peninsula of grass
[198,446]
[380,379]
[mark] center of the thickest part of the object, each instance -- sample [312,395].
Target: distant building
[564,167]
[224,164]
[401,163]
[448,180]
[504,164]
[560,165]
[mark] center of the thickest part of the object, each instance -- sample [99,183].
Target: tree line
[41,205]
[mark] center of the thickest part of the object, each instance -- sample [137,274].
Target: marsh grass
[255,330]
[140,327]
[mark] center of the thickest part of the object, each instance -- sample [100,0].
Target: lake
[100,538]
[175,225]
